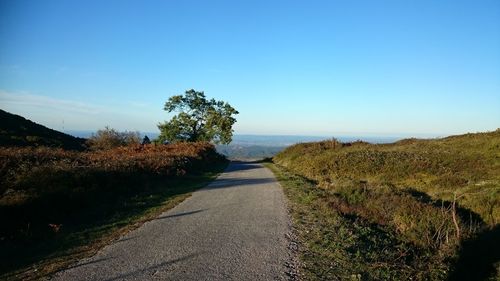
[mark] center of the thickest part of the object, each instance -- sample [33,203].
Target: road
[233,229]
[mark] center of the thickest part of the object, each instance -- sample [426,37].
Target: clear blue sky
[397,67]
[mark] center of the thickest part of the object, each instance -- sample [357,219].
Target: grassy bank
[339,242]
[338,245]
[60,206]
[465,167]
[425,209]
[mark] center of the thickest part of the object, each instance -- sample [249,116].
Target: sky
[335,67]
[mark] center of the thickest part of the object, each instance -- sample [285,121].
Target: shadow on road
[85,263]
[242,166]
[179,215]
[137,274]
[238,182]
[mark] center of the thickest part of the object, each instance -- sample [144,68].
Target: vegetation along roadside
[412,210]
[59,206]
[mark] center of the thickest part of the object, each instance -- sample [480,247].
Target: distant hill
[255,147]
[16,130]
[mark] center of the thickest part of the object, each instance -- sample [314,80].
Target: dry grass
[337,242]
[433,196]
[467,166]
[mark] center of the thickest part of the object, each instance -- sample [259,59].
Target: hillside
[19,131]
[466,165]
[428,209]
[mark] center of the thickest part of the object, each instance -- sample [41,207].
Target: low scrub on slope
[32,172]
[433,196]
[53,200]
[466,166]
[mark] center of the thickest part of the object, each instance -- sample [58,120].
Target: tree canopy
[198,119]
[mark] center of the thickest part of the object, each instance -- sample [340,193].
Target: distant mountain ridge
[16,130]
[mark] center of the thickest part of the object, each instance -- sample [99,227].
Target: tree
[110,138]
[198,119]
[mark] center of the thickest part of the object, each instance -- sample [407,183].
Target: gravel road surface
[234,229]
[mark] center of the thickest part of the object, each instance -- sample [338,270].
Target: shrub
[108,138]
[35,171]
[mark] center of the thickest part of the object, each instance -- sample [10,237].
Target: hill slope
[16,130]
[413,209]
[466,165]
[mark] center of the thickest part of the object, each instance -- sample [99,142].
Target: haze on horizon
[321,68]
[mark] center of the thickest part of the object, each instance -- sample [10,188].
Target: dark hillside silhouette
[16,130]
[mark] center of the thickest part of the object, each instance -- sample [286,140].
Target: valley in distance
[248,147]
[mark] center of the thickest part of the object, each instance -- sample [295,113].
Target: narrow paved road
[234,229]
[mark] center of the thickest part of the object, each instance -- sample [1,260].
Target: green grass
[466,166]
[343,246]
[84,231]
[428,209]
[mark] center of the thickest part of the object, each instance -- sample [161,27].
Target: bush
[108,138]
